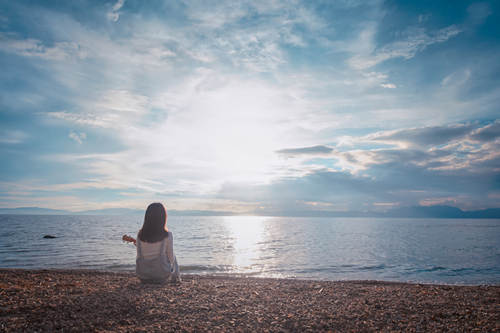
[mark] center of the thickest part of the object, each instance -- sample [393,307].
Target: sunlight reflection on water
[246,233]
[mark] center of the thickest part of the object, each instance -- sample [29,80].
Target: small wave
[9,260]
[432,269]
[121,267]
[372,267]
[463,269]
[19,251]
[446,271]
[470,270]
[347,268]
[195,237]
[204,268]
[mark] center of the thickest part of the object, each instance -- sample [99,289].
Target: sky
[252,107]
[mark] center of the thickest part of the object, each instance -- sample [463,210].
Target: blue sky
[265,107]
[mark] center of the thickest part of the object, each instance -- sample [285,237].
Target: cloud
[388,85]
[458,149]
[30,187]
[113,14]
[167,153]
[122,101]
[306,150]
[36,49]
[205,99]
[342,191]
[448,201]
[477,13]
[457,79]
[424,17]
[110,109]
[422,136]
[417,40]
[250,35]
[12,136]
[489,132]
[77,137]
[90,119]
[400,176]
[451,164]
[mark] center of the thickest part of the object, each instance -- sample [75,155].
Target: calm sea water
[419,250]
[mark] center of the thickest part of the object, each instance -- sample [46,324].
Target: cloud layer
[249,106]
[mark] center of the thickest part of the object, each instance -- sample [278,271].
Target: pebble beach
[85,301]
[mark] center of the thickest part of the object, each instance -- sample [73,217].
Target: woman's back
[156,261]
[150,250]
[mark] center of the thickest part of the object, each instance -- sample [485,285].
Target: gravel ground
[70,300]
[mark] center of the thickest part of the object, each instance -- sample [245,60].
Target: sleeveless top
[156,269]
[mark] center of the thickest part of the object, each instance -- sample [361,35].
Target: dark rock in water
[49,236]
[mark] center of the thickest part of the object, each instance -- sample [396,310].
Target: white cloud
[121,101]
[36,48]
[28,187]
[422,18]
[110,109]
[113,14]
[77,137]
[227,36]
[450,201]
[86,118]
[417,40]
[457,79]
[215,129]
[388,85]
[12,136]
[422,136]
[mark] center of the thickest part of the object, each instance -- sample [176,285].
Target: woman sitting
[155,262]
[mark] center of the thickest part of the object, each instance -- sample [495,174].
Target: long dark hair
[154,228]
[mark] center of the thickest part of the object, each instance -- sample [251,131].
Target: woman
[155,260]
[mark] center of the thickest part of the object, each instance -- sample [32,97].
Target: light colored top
[152,250]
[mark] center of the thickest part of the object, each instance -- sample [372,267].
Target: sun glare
[234,130]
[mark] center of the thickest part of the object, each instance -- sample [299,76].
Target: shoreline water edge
[90,300]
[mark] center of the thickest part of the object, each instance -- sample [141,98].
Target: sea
[444,251]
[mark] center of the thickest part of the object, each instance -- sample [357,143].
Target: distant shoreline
[54,300]
[416,212]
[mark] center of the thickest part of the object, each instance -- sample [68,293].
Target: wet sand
[77,300]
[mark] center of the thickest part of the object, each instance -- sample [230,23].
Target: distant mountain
[315,213]
[492,213]
[111,211]
[34,211]
[442,212]
[130,211]
[48,211]
[402,212]
[199,213]
[107,211]
[426,211]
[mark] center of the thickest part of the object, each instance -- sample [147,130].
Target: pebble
[79,300]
